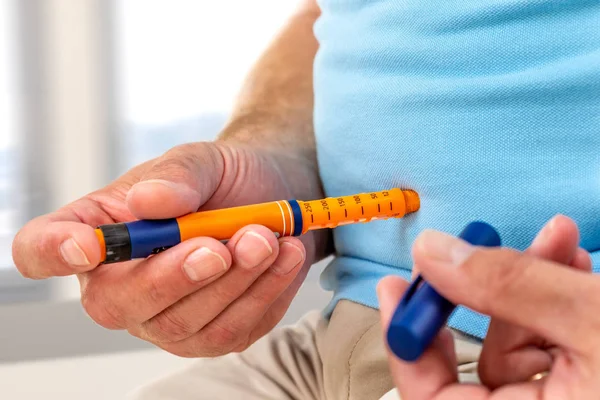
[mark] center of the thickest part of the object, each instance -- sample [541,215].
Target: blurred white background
[89,88]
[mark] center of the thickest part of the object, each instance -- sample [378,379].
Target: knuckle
[169,327]
[39,247]
[227,293]
[221,339]
[497,279]
[242,346]
[100,308]
[180,351]
[261,297]
[184,149]
[190,348]
[213,341]
[154,291]
[45,245]
[183,158]
[173,166]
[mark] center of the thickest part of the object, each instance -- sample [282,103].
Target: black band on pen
[117,241]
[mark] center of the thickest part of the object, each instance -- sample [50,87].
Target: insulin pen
[422,311]
[140,239]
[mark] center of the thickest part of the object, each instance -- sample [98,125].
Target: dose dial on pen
[364,207]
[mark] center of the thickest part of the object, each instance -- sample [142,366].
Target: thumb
[178,182]
[423,378]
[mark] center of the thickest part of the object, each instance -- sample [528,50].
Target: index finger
[557,303]
[57,244]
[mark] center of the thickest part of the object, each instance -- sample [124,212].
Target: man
[489,110]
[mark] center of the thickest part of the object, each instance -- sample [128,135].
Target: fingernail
[73,254]
[289,258]
[252,249]
[447,249]
[203,263]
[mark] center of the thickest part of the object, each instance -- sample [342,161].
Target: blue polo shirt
[490,110]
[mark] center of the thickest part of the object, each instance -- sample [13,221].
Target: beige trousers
[343,358]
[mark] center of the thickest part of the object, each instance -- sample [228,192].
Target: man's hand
[199,298]
[513,354]
[541,302]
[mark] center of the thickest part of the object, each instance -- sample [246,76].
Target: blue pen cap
[422,311]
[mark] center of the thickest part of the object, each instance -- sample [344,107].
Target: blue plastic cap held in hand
[422,311]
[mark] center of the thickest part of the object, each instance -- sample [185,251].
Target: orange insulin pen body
[140,239]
